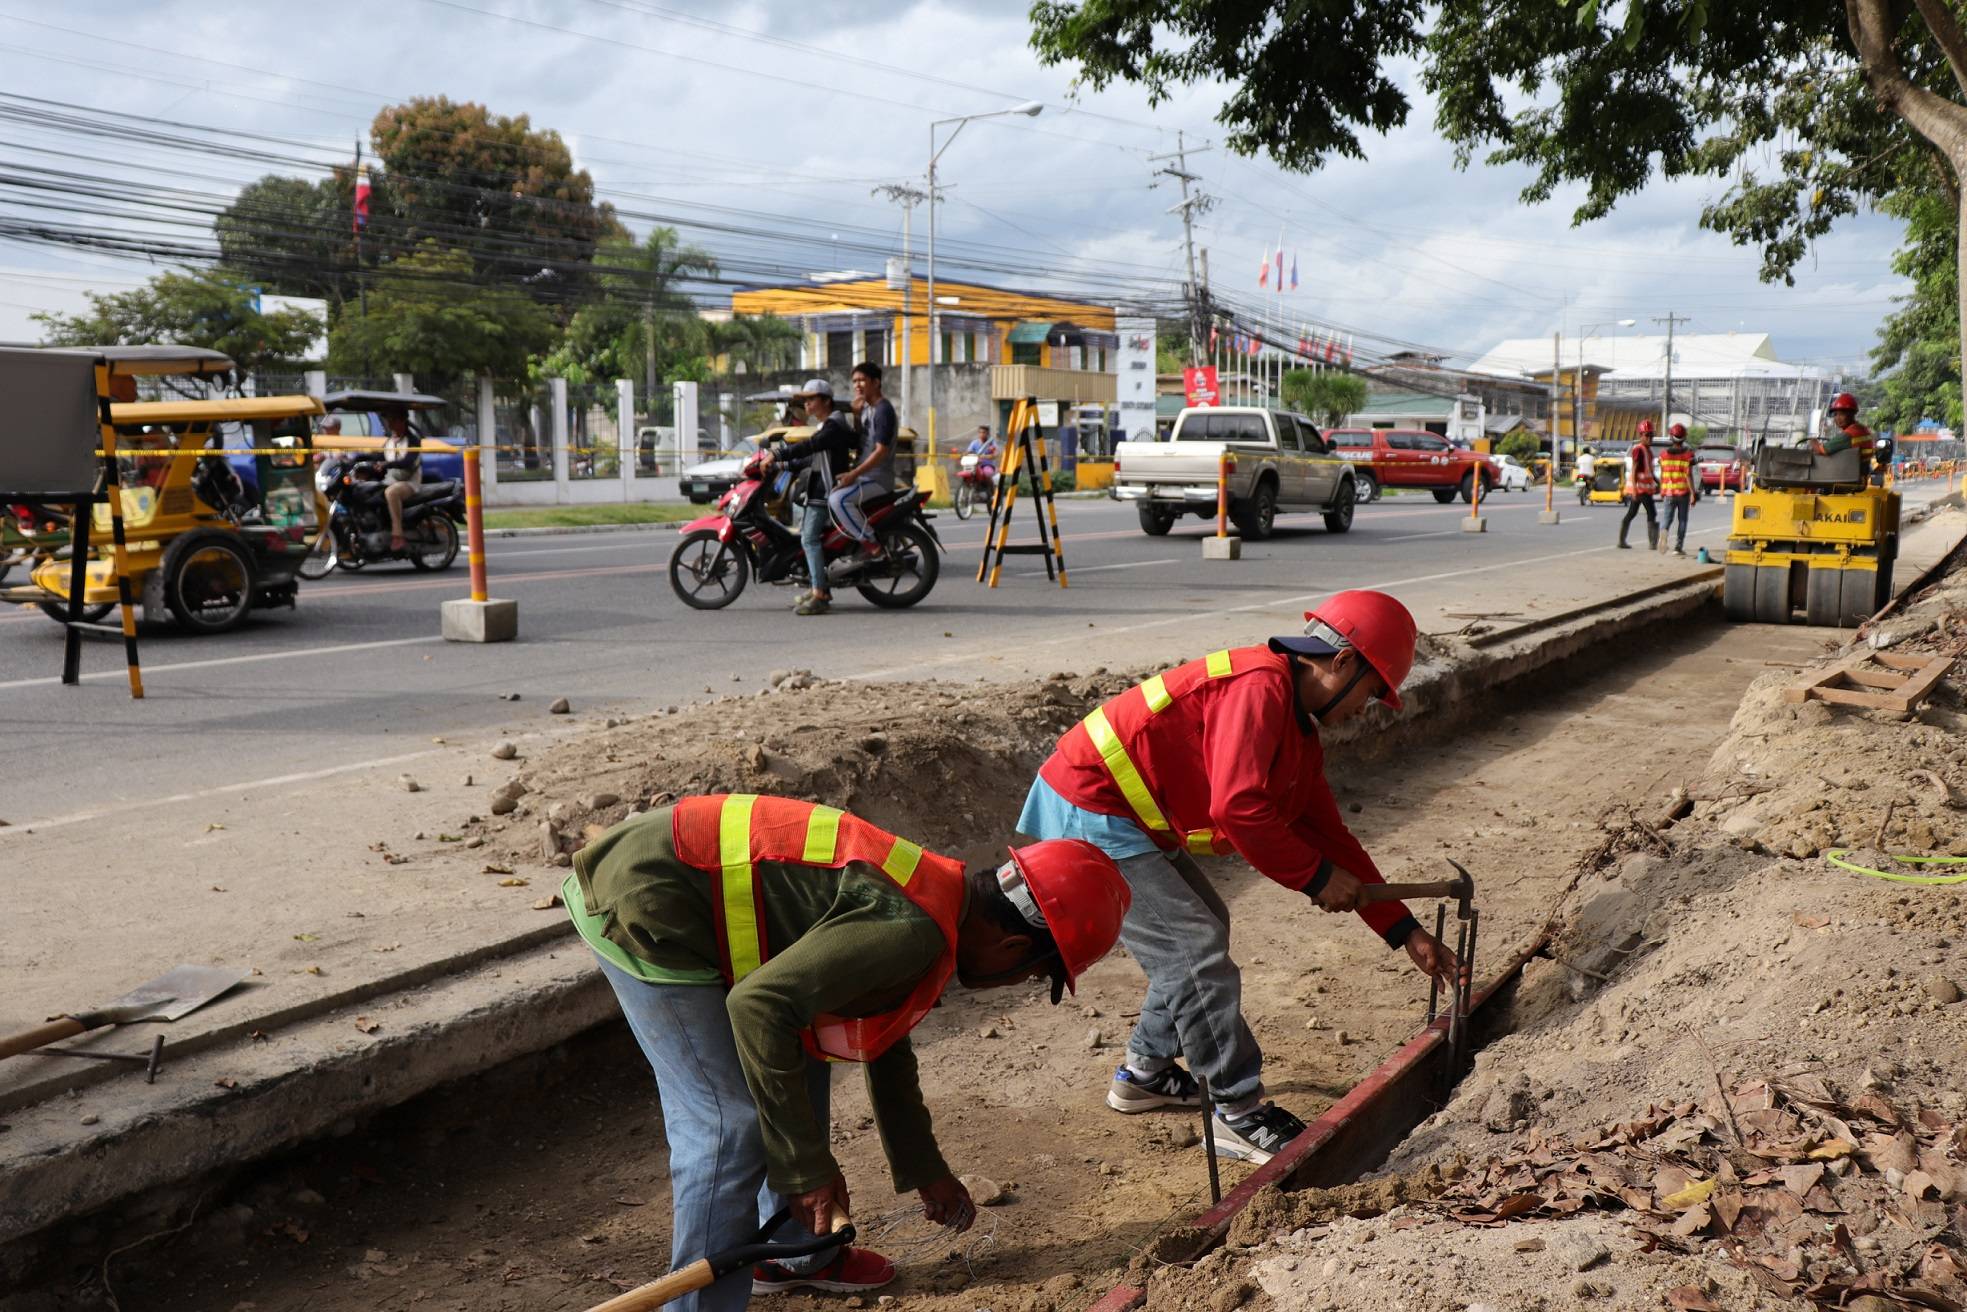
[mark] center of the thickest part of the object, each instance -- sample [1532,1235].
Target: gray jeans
[1178,929]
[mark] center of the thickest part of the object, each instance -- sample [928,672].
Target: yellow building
[865,318]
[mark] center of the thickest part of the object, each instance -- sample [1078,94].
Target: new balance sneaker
[1173,1087]
[1256,1137]
[855,1271]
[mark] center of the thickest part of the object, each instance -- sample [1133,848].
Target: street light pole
[1030,109]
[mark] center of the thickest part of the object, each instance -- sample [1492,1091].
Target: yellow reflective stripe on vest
[901,861]
[822,834]
[1156,692]
[1121,767]
[1217,664]
[1202,842]
[741,929]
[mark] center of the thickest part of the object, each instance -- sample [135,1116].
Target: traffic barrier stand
[1476,522]
[1225,545]
[1020,457]
[480,617]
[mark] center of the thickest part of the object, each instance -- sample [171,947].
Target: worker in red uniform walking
[1676,466]
[1215,756]
[752,940]
[1640,487]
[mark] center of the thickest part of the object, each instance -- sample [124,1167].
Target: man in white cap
[829,453]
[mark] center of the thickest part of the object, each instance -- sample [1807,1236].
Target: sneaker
[1256,1137]
[814,605]
[1132,1093]
[855,1271]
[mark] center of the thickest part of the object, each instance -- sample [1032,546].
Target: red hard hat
[1081,894]
[1844,401]
[1645,428]
[1379,627]
[1678,430]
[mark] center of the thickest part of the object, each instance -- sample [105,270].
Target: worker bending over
[1222,755]
[749,939]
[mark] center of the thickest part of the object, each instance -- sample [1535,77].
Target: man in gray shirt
[872,475]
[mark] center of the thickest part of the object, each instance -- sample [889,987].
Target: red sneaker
[855,1271]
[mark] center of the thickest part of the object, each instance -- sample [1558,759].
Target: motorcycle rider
[822,458]
[402,468]
[872,475]
[984,447]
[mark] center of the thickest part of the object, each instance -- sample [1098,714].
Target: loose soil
[543,1185]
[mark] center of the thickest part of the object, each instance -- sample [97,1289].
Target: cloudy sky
[712,113]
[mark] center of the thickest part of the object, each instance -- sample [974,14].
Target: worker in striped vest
[1676,487]
[1222,755]
[751,940]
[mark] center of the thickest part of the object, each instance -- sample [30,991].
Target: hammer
[1461,888]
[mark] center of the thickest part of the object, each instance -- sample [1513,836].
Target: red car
[1411,457]
[1720,467]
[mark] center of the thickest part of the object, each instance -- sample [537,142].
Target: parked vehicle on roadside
[1721,467]
[1411,457]
[1276,462]
[708,480]
[721,552]
[1511,476]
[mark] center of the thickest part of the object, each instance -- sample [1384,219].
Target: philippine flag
[1294,270]
[362,199]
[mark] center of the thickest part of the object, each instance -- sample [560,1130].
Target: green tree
[291,236]
[640,320]
[1801,110]
[491,186]
[1919,343]
[757,343]
[428,315]
[1327,397]
[211,310]
[1524,446]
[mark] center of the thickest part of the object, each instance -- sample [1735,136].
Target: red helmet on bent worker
[1645,428]
[1375,625]
[1073,891]
[1844,401]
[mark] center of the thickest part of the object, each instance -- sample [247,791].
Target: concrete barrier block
[1475,524]
[1550,517]
[1229,548]
[466,620]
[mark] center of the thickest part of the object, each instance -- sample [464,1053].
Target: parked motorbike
[358,520]
[975,481]
[721,552]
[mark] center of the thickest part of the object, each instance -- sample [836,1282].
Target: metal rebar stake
[1434,981]
[1468,990]
[1209,1140]
[1457,1011]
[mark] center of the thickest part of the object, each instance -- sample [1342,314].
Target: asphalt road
[357,677]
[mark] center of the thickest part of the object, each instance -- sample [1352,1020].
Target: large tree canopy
[427,315]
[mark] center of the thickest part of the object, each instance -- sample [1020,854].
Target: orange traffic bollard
[1222,495]
[477,618]
[474,524]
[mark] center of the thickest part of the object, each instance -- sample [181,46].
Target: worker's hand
[844,479]
[815,1208]
[1341,891]
[1432,958]
[947,1202]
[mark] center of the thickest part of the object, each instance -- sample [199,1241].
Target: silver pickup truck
[1278,461]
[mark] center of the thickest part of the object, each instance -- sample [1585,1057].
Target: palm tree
[756,343]
[649,275]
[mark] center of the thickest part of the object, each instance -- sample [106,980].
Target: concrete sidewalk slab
[386,966]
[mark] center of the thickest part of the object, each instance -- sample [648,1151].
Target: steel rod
[1209,1141]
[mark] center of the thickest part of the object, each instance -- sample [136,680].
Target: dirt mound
[945,764]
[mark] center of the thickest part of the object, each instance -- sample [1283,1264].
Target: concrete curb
[510,999]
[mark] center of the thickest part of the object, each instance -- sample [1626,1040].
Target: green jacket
[846,942]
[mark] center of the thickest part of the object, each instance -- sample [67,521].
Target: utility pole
[1666,394]
[908,198]
[1190,206]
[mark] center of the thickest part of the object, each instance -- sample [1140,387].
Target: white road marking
[297,653]
[1094,569]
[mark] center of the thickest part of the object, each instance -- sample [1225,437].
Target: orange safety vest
[1676,474]
[1114,725]
[1639,477]
[726,836]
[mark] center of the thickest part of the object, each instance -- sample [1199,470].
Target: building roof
[1695,355]
[955,299]
[1404,405]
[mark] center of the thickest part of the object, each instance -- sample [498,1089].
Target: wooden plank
[1800,692]
[1875,701]
[1897,661]
[1916,688]
[1875,678]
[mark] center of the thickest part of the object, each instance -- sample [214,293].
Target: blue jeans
[716,1155]
[812,536]
[1676,509]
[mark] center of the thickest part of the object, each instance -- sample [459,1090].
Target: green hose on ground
[1836,857]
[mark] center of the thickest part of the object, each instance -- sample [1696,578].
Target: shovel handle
[62,1027]
[691,1278]
[1371,893]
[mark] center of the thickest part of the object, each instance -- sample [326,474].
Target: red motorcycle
[976,480]
[721,552]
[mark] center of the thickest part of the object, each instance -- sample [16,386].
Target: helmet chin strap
[1343,693]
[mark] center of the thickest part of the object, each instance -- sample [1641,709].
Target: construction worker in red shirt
[1846,433]
[1640,487]
[1676,468]
[1216,756]
[750,941]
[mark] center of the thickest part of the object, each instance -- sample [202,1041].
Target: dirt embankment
[1744,1088]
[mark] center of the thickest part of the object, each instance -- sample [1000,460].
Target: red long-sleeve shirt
[1236,755]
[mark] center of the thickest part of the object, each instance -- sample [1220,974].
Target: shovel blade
[177,992]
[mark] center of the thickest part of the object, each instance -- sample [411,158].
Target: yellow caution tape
[1836,857]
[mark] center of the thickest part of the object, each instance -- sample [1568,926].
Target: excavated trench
[542,1184]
